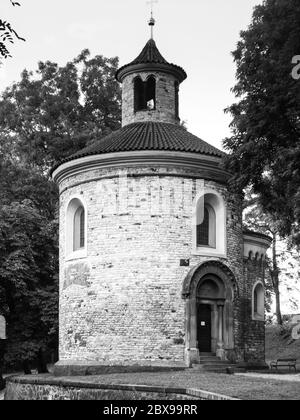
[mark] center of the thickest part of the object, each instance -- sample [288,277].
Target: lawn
[234,386]
[245,388]
[280,346]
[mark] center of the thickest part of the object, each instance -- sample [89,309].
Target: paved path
[278,377]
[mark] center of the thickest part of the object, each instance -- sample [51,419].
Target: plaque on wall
[184,263]
[2,328]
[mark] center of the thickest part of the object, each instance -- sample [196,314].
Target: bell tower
[150,86]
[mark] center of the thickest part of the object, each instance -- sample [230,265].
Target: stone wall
[165,100]
[122,303]
[18,389]
[254,331]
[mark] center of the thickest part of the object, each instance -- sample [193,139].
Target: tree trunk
[275,281]
[26,367]
[41,362]
[2,350]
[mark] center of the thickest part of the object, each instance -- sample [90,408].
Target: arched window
[203,230]
[206,231]
[258,302]
[150,93]
[209,224]
[75,228]
[138,94]
[78,230]
[144,94]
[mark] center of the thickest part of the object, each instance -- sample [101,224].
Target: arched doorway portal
[209,291]
[210,299]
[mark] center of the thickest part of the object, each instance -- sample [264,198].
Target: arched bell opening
[144,94]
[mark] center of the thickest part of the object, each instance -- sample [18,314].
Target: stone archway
[211,285]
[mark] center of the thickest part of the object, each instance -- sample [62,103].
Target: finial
[152,20]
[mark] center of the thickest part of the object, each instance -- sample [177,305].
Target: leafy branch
[8,34]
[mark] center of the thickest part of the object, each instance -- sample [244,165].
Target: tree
[7,35]
[28,261]
[264,146]
[255,218]
[46,116]
[56,111]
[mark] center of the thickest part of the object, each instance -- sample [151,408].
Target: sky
[198,35]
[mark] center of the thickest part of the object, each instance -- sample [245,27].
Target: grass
[279,346]
[244,388]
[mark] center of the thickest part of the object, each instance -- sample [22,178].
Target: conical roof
[150,59]
[149,54]
[141,136]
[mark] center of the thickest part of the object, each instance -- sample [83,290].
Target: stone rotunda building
[155,269]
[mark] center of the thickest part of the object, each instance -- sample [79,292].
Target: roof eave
[176,71]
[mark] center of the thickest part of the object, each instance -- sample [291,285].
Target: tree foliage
[46,116]
[56,111]
[8,35]
[264,146]
[28,249]
[256,219]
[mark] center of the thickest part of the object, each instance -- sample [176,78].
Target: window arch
[258,302]
[144,94]
[209,224]
[76,228]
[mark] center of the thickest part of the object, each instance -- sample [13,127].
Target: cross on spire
[152,20]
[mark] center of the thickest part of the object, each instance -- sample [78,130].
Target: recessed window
[78,231]
[206,231]
[209,224]
[144,94]
[258,302]
[75,228]
[176,86]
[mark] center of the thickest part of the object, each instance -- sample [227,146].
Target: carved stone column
[194,351]
[220,345]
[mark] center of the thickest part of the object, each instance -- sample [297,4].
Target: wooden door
[204,328]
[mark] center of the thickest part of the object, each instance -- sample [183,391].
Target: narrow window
[206,231]
[258,302]
[255,302]
[150,93]
[203,230]
[78,231]
[176,100]
[139,99]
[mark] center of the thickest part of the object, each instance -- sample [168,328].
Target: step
[215,363]
[209,365]
[208,359]
[207,354]
[223,369]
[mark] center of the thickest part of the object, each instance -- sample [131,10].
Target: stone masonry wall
[165,100]
[122,303]
[254,331]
